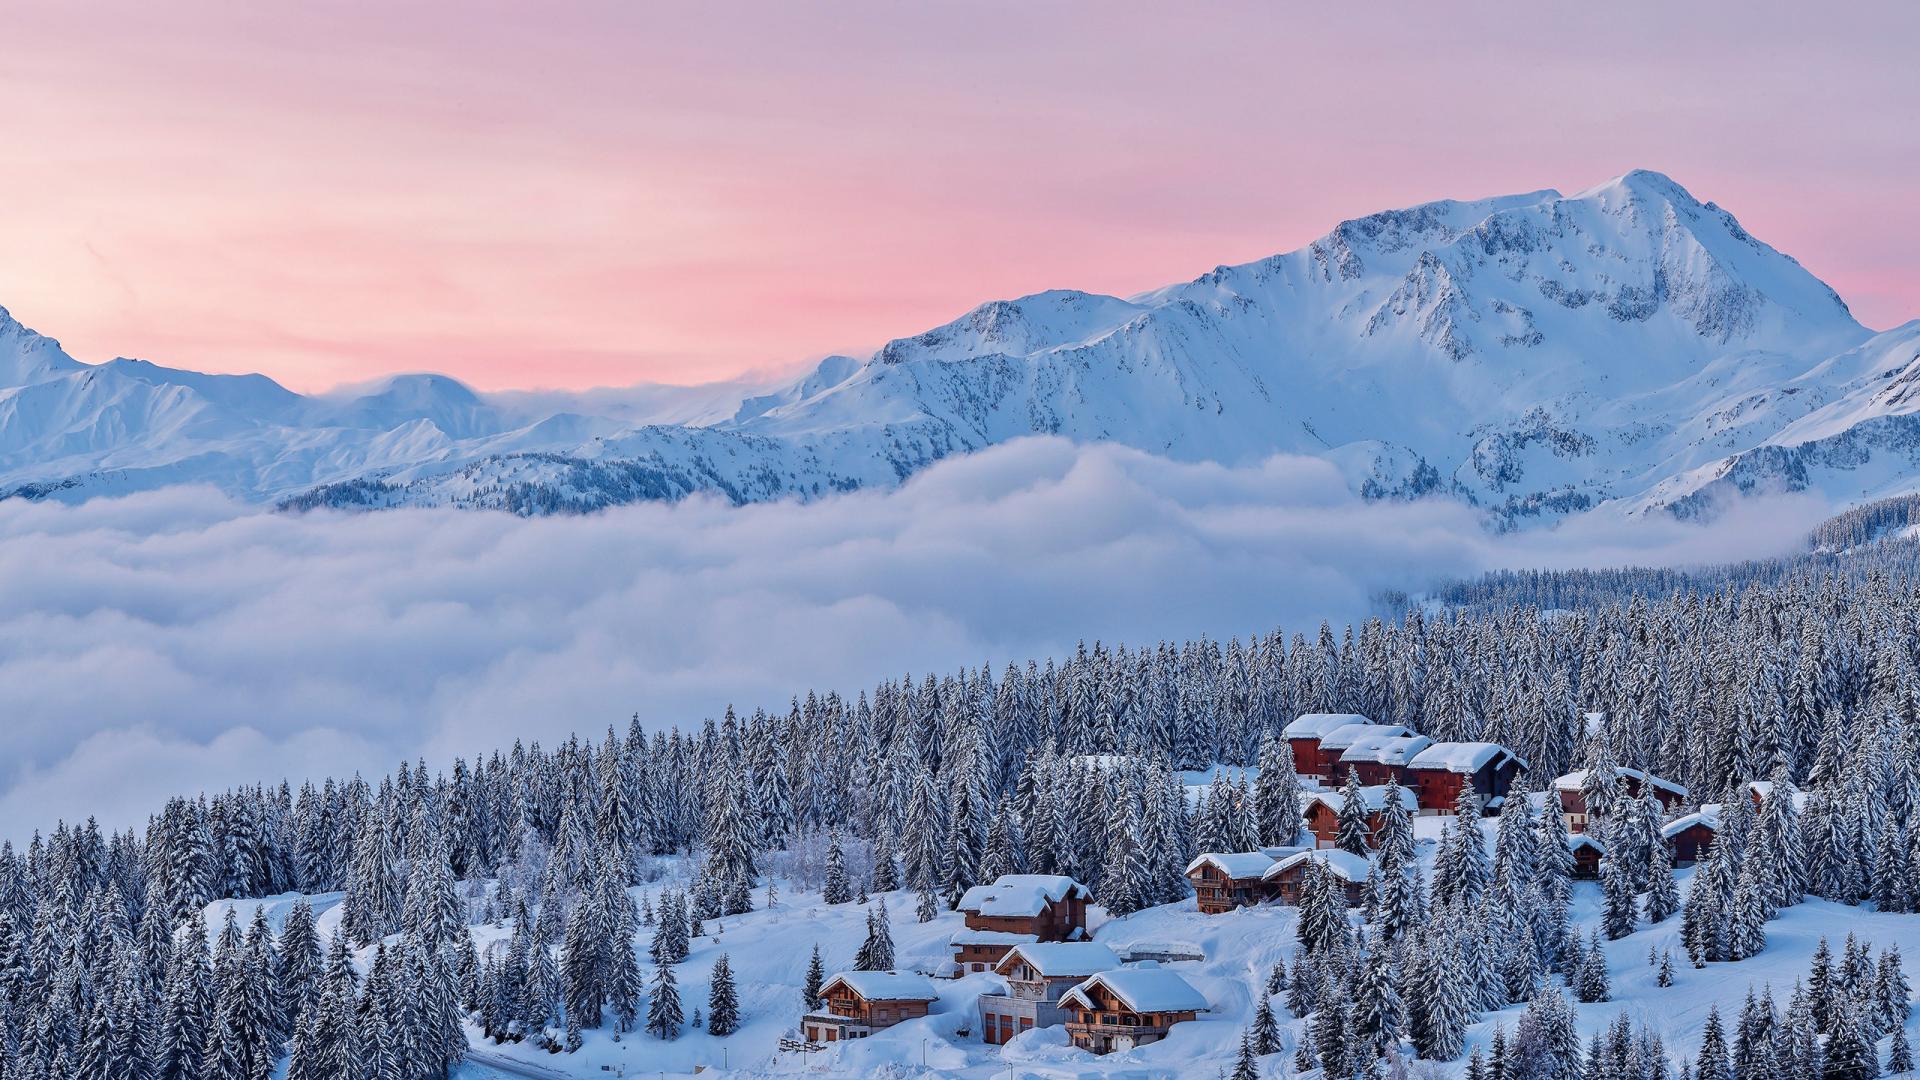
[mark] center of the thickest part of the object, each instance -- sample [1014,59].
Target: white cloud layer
[175,641]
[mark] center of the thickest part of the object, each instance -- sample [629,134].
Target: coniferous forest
[1072,765]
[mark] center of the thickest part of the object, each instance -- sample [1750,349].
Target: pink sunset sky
[580,194]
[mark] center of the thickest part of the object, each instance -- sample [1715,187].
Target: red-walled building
[1303,738]
[1439,773]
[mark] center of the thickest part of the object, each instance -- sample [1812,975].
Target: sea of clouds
[178,641]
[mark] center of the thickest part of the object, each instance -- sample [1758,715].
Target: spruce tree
[663,1006]
[1899,1054]
[816,977]
[1849,1054]
[836,890]
[1245,1067]
[1590,983]
[1354,833]
[1713,1062]
[723,1001]
[1266,1029]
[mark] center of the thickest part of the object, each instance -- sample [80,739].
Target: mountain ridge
[1535,355]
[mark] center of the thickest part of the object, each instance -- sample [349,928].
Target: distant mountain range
[1533,355]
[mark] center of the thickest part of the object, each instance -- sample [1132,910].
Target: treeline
[1069,765]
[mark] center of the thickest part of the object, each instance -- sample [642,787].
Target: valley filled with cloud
[176,640]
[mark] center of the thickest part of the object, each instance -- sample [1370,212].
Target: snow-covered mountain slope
[1533,354]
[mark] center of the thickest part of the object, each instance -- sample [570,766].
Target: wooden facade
[1038,976]
[1222,882]
[1689,838]
[1303,736]
[1017,908]
[1439,775]
[847,1013]
[1573,799]
[1323,821]
[1101,1019]
[1587,854]
[1349,871]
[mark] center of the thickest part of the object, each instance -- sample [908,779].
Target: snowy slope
[1533,354]
[768,949]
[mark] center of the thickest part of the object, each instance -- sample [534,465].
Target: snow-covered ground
[769,950]
[1537,353]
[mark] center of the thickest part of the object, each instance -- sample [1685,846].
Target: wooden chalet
[1323,814]
[1303,738]
[1223,881]
[1335,744]
[1382,759]
[1439,774]
[1349,870]
[1690,835]
[855,1004]
[1038,975]
[1129,1007]
[1573,799]
[1762,790]
[1015,910]
[1587,853]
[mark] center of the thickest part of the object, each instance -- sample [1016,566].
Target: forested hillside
[938,782]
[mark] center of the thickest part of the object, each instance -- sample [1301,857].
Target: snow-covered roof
[1346,735]
[1234,864]
[1577,779]
[1708,815]
[1763,790]
[1019,894]
[1055,959]
[1386,749]
[1142,989]
[1313,725]
[1464,757]
[1373,797]
[1580,840]
[989,937]
[885,985]
[1344,864]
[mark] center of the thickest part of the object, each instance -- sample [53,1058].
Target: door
[1006,1028]
[988,1029]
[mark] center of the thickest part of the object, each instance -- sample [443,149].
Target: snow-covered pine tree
[1354,834]
[1590,983]
[1245,1067]
[723,1000]
[876,952]
[836,889]
[1849,1054]
[1619,905]
[1265,1029]
[816,977]
[663,1004]
[1276,794]
[1379,1016]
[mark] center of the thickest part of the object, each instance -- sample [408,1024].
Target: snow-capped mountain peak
[1535,354]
